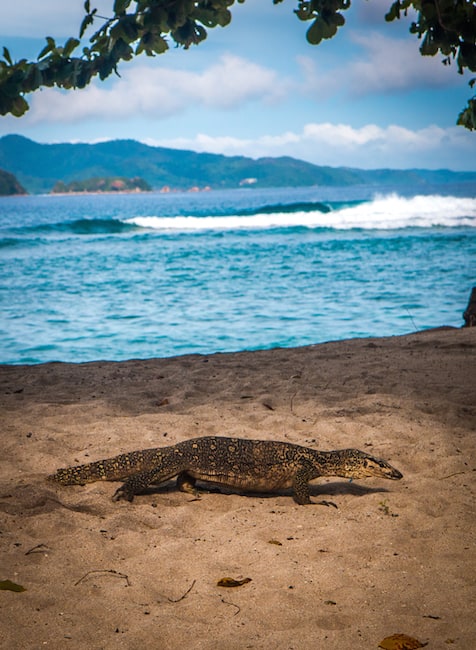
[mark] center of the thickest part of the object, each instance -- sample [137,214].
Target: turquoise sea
[127,276]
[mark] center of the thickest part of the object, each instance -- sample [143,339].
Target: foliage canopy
[447,27]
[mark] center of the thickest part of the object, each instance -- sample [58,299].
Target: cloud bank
[157,92]
[370,146]
[381,66]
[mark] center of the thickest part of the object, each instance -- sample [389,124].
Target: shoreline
[441,328]
[393,557]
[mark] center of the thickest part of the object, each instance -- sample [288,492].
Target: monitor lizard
[253,465]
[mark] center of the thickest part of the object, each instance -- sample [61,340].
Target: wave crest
[383,212]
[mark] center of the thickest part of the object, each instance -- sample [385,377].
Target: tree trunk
[470,313]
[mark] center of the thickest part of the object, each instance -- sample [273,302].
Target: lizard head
[357,464]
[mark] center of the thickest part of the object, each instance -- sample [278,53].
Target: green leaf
[467,56]
[131,31]
[126,28]
[121,50]
[223,17]
[87,21]
[428,47]
[315,33]
[305,10]
[6,56]
[70,45]
[33,78]
[206,17]
[393,12]
[329,29]
[338,20]
[8,585]
[120,6]
[467,117]
[44,52]
[152,44]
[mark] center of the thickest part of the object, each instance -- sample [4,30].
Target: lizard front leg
[301,492]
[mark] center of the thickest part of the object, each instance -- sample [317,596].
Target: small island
[95,185]
[9,185]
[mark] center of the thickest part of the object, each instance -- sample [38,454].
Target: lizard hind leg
[135,484]
[186,483]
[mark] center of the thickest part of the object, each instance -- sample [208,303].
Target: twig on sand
[451,475]
[113,572]
[177,600]
[226,602]
[39,548]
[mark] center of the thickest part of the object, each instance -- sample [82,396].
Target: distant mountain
[40,166]
[9,185]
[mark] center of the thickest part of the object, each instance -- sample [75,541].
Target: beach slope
[391,557]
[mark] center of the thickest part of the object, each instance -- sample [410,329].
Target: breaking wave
[388,212]
[383,212]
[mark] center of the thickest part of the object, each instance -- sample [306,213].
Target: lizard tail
[110,469]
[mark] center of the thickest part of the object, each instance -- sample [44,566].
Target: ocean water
[127,276]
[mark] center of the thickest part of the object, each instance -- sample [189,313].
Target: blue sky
[366,98]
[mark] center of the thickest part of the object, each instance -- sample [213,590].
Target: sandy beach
[391,557]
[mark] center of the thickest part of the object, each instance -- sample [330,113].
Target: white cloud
[158,92]
[395,64]
[384,65]
[370,146]
[341,135]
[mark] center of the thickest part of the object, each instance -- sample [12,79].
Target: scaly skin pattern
[254,465]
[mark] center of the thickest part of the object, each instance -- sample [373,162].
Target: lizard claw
[121,493]
[327,503]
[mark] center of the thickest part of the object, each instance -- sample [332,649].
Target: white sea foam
[395,211]
[383,212]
